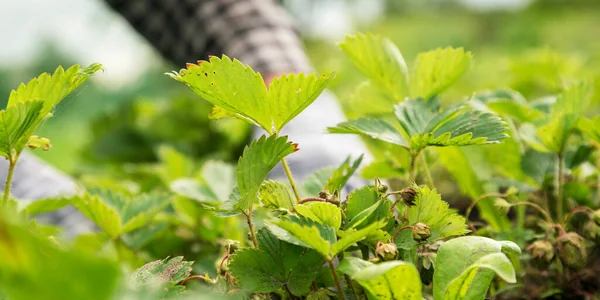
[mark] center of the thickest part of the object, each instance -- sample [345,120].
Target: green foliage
[256,163]
[380,60]
[431,210]
[117,214]
[465,267]
[423,127]
[234,87]
[30,104]
[161,275]
[276,265]
[387,280]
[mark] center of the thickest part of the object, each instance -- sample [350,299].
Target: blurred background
[124,116]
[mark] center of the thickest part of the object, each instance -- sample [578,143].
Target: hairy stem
[579,209]
[426,170]
[286,168]
[539,208]
[412,174]
[11,171]
[338,284]
[251,227]
[318,199]
[484,196]
[560,186]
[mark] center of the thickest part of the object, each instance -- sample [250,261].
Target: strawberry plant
[254,236]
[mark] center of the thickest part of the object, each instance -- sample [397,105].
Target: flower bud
[542,254]
[387,251]
[420,232]
[408,196]
[571,249]
[502,205]
[381,188]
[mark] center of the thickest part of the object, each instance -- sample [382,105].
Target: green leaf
[436,70]
[219,177]
[373,128]
[170,271]
[117,214]
[275,194]
[256,163]
[460,163]
[592,128]
[316,182]
[17,123]
[454,126]
[387,280]
[311,235]
[41,206]
[28,259]
[321,212]
[101,213]
[193,189]
[235,87]
[431,210]
[380,60]
[351,236]
[364,206]
[276,264]
[511,103]
[465,267]
[30,104]
[554,130]
[342,174]
[382,169]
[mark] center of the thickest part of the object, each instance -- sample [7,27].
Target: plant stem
[287,289]
[398,232]
[579,209]
[286,168]
[412,171]
[426,170]
[351,285]
[484,196]
[11,171]
[560,187]
[318,199]
[251,226]
[539,208]
[338,285]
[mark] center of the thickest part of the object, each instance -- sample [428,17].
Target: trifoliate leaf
[275,195]
[380,60]
[457,125]
[352,236]
[387,280]
[235,87]
[275,265]
[432,211]
[256,163]
[434,71]
[465,267]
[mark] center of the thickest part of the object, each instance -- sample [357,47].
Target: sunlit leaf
[380,60]
[321,212]
[236,88]
[275,194]
[256,163]
[434,71]
[387,280]
[465,267]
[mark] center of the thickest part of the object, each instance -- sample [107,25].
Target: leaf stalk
[336,278]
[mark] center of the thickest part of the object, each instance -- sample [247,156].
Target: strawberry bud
[420,232]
